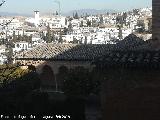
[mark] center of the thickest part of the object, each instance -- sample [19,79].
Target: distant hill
[89,12]
[13,14]
[70,13]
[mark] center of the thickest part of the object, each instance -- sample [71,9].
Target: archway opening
[47,77]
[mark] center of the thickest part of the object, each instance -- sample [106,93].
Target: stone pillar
[156,19]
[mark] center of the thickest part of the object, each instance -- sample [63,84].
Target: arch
[48,80]
[62,72]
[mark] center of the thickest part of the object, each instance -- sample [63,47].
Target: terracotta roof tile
[89,51]
[130,59]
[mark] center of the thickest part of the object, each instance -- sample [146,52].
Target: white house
[21,46]
[37,40]
[54,22]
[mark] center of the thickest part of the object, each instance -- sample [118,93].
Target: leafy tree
[22,79]
[141,25]
[27,38]
[120,32]
[70,27]
[10,72]
[94,24]
[85,41]
[135,11]
[101,19]
[76,83]
[75,41]
[29,24]
[65,31]
[20,38]
[150,26]
[48,35]
[86,15]
[66,21]
[119,20]
[81,24]
[124,16]
[14,37]
[42,35]
[88,23]
[60,40]
[80,82]
[56,13]
[70,18]
[9,52]
[76,16]
[53,39]
[107,13]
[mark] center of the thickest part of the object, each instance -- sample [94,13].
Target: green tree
[14,37]
[53,39]
[65,30]
[101,19]
[19,38]
[80,81]
[120,32]
[76,16]
[140,24]
[150,26]
[94,23]
[48,35]
[60,40]
[42,35]
[81,24]
[9,52]
[85,41]
[124,16]
[75,41]
[88,23]
[56,13]
[135,11]
[70,27]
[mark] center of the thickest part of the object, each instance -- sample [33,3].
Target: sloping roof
[130,59]
[83,52]
[130,42]
[66,52]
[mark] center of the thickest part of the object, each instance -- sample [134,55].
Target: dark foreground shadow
[23,97]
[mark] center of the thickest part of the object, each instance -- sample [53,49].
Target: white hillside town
[24,33]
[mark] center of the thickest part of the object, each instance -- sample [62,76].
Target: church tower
[36,15]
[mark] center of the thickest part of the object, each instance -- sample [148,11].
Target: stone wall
[54,65]
[156,19]
[130,94]
[39,64]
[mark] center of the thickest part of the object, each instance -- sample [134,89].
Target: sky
[28,6]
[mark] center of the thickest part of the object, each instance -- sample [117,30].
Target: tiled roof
[83,52]
[132,42]
[66,52]
[130,59]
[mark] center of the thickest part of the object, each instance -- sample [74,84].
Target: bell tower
[36,17]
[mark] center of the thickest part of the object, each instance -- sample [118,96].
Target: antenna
[59,4]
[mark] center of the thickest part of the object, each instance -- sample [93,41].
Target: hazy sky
[28,6]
